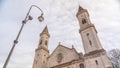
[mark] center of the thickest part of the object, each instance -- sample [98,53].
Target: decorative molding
[42,48]
[95,53]
[45,33]
[69,63]
[91,25]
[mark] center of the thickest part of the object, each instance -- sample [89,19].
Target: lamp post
[27,18]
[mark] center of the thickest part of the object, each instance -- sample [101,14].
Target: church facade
[63,57]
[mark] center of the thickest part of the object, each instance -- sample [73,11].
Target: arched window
[87,34]
[40,42]
[83,21]
[81,66]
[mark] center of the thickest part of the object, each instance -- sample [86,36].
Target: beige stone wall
[91,63]
[106,61]
[67,56]
[76,65]
[102,61]
[40,59]
[94,39]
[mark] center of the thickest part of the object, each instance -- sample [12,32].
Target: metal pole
[16,40]
[14,44]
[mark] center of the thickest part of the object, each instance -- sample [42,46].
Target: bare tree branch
[114,56]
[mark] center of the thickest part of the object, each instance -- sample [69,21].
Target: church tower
[42,52]
[88,32]
[95,55]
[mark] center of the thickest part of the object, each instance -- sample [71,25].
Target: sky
[63,26]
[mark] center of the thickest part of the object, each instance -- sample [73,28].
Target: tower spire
[45,31]
[80,8]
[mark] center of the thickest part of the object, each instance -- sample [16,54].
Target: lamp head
[41,18]
[30,17]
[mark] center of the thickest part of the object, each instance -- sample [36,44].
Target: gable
[62,55]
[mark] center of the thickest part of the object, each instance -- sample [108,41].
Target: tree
[114,56]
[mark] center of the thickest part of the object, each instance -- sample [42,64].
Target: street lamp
[27,18]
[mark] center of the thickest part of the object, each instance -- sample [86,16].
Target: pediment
[62,55]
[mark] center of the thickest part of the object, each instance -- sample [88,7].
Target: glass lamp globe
[40,18]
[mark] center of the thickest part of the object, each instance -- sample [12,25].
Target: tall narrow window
[37,54]
[35,61]
[81,66]
[43,61]
[40,42]
[90,42]
[46,42]
[96,62]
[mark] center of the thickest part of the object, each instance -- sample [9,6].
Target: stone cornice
[45,33]
[69,63]
[42,48]
[88,26]
[95,53]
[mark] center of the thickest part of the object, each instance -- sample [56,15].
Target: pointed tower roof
[45,31]
[81,10]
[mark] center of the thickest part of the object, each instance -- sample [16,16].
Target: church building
[63,57]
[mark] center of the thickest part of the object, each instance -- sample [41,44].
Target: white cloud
[60,16]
